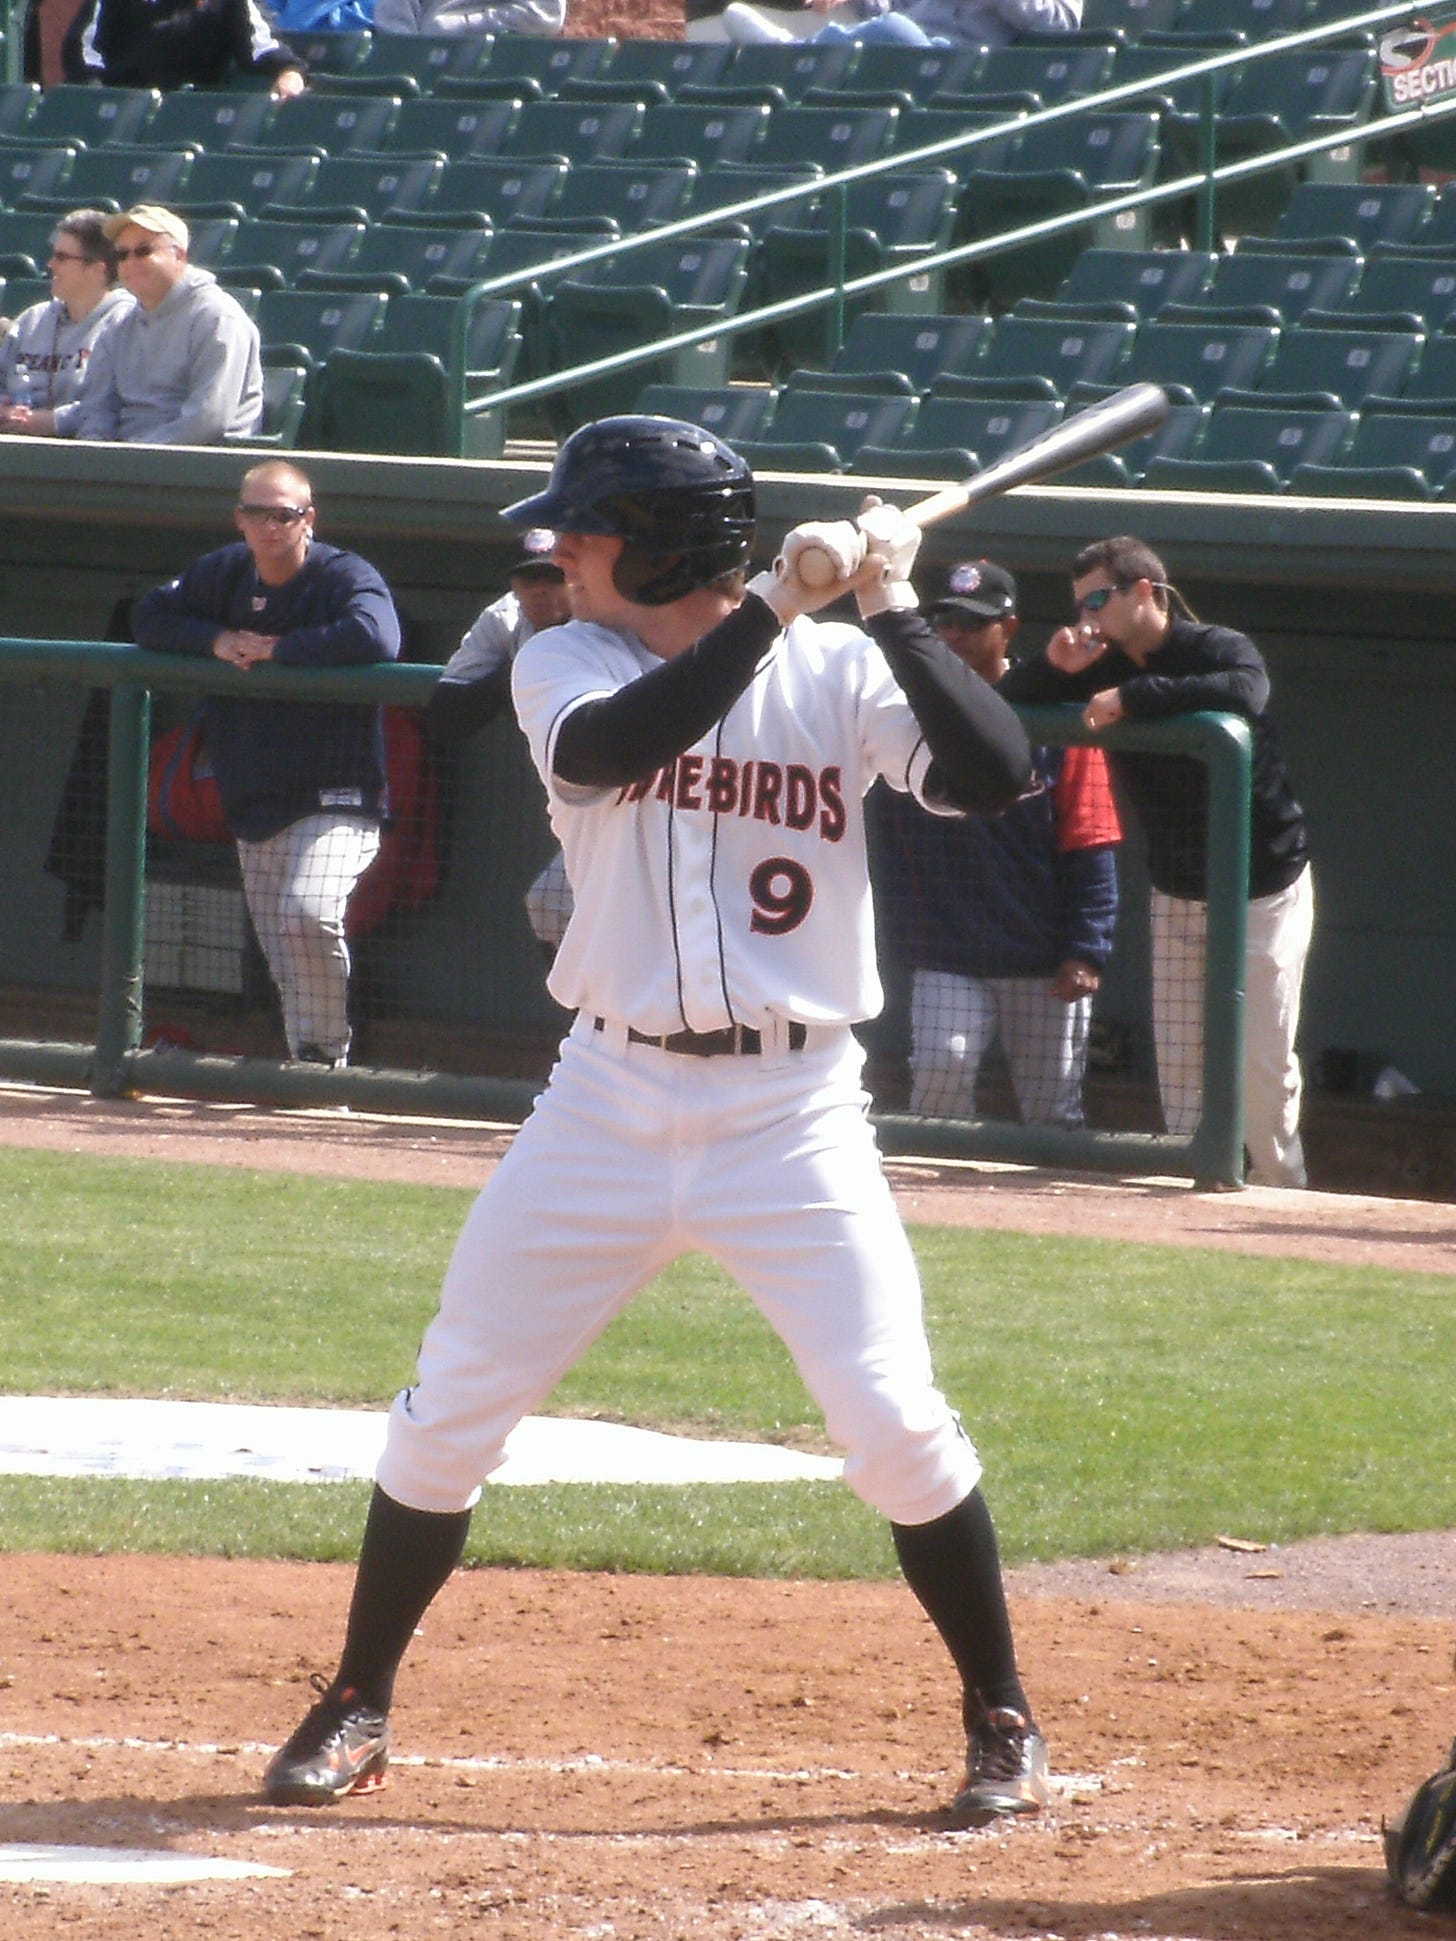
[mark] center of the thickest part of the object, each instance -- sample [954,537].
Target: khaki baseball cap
[150,216]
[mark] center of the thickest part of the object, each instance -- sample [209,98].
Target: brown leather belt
[733,1041]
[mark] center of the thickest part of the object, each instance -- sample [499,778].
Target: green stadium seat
[1194,362]
[634,194]
[1251,20]
[641,298]
[1269,289]
[242,185]
[456,130]
[671,63]
[1400,293]
[285,395]
[338,124]
[1132,18]
[545,61]
[916,73]
[272,255]
[820,431]
[707,136]
[211,240]
[1051,170]
[837,138]
[1283,98]
[1355,217]
[1341,367]
[1392,455]
[1431,384]
[898,218]
[497,192]
[1053,71]
[1043,357]
[422,60]
[25,242]
[921,347]
[574,131]
[1333,13]
[731,411]
[305,326]
[1142,279]
[209,119]
[331,53]
[398,258]
[35,172]
[952,437]
[370,189]
[92,117]
[778,74]
[17,104]
[116,178]
[1177,437]
[1245,450]
[431,357]
[918,127]
[530,256]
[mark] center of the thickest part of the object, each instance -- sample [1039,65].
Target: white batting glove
[836,540]
[894,540]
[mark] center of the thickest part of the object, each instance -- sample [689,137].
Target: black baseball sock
[954,1567]
[405,1558]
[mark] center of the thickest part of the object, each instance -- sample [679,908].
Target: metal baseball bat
[1127,414]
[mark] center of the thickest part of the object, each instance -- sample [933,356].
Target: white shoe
[749,28]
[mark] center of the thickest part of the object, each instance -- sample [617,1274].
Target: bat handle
[940,505]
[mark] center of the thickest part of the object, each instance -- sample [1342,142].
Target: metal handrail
[1201,182]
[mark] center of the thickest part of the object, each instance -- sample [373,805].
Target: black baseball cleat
[341,1748]
[1006,1770]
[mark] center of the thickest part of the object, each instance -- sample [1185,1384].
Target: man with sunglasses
[44,356]
[183,366]
[1131,656]
[302,783]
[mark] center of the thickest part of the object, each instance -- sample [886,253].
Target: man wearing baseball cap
[1005,925]
[476,684]
[183,368]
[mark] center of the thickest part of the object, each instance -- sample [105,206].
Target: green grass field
[1124,1398]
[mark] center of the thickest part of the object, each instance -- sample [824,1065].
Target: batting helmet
[678,496]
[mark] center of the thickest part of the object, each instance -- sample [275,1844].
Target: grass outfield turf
[1125,1398]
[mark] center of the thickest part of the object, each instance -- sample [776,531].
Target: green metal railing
[1203,184]
[116,1066]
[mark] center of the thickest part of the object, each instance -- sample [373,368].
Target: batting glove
[786,592]
[894,540]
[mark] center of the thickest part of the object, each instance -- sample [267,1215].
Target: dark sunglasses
[1097,599]
[141,249]
[275,515]
[69,256]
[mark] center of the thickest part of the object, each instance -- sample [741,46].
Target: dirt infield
[635,1758]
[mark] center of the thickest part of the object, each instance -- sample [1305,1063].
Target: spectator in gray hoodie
[182,367]
[44,356]
[539,17]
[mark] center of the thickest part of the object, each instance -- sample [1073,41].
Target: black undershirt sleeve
[627,736]
[980,758]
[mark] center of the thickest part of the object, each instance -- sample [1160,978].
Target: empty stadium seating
[1255,451]
[408,391]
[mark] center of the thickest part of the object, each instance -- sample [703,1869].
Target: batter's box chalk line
[122,1867]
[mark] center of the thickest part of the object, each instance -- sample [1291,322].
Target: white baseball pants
[953,1020]
[634,1156]
[298,884]
[1279,931]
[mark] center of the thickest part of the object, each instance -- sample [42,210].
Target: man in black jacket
[1131,657]
[177,43]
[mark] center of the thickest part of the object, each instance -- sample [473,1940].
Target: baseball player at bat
[706,747]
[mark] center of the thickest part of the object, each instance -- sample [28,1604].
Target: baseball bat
[1128,414]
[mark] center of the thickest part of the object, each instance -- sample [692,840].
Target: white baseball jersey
[733,886]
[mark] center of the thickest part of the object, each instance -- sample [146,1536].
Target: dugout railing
[115,1061]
